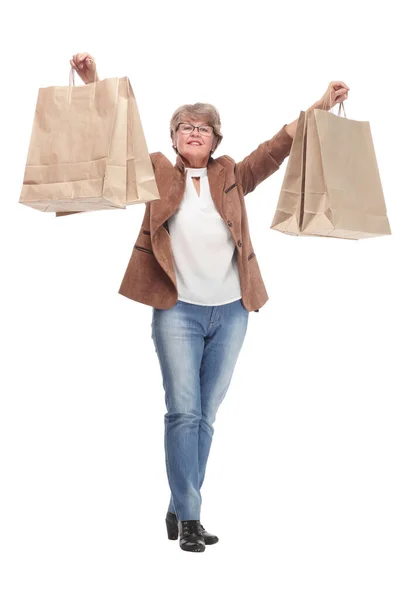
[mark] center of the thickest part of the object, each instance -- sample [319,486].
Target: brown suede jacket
[150,277]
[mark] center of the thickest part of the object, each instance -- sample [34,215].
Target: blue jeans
[197,348]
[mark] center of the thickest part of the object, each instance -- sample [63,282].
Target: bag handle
[72,75]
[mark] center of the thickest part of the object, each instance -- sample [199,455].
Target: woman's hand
[84,64]
[337,92]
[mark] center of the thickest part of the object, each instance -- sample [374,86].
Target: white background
[302,484]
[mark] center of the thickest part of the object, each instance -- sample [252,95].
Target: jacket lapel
[216,179]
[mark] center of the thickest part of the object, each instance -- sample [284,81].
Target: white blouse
[203,248]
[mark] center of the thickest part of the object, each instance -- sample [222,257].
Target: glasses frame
[195,127]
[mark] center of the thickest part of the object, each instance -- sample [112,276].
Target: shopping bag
[87,150]
[332,186]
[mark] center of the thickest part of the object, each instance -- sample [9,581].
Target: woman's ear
[213,144]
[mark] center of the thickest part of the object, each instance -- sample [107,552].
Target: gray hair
[196,112]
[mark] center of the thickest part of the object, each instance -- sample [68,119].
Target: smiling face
[194,147]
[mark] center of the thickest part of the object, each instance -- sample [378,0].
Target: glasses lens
[185,128]
[205,130]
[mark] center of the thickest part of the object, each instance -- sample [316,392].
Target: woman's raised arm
[263,161]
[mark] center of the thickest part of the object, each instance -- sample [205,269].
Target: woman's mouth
[194,144]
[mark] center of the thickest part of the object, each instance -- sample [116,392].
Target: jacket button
[230,223]
[239,243]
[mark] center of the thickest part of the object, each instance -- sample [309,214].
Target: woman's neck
[195,164]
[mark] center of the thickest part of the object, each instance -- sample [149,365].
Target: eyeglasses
[187,128]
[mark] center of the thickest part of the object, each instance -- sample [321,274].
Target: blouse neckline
[196,172]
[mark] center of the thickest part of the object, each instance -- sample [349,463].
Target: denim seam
[165,430]
[168,466]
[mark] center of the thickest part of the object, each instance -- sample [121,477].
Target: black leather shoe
[190,537]
[172,529]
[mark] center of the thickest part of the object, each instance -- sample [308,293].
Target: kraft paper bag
[332,187]
[87,150]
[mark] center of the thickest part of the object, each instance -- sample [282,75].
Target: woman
[194,263]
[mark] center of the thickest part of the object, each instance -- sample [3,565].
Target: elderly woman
[194,263]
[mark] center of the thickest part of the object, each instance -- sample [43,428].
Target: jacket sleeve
[263,161]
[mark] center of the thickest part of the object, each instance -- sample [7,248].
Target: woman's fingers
[78,59]
[86,56]
[341,83]
[82,60]
[341,95]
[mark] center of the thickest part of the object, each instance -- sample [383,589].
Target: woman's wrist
[317,105]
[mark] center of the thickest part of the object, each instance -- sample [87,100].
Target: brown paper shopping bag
[332,187]
[87,150]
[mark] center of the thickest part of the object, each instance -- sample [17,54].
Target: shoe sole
[194,549]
